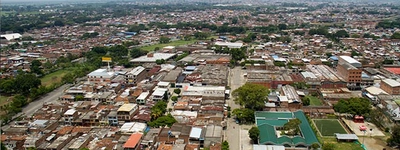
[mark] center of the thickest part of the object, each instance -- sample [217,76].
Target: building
[133,142]
[70,116]
[142,98]
[269,124]
[135,75]
[126,112]
[100,76]
[152,58]
[350,70]
[327,77]
[391,86]
[292,99]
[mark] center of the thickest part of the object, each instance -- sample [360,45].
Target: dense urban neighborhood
[190,75]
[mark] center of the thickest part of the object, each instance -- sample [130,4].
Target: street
[236,136]
[31,108]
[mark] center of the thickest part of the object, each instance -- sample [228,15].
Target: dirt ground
[374,143]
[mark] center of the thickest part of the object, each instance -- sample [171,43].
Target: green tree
[292,127]
[24,82]
[252,96]
[160,61]
[177,91]
[225,145]
[137,52]
[68,78]
[168,120]
[254,134]
[395,35]
[174,98]
[158,109]
[165,97]
[7,86]
[79,98]
[341,34]
[3,146]
[394,140]
[306,101]
[164,39]
[201,35]
[35,67]
[354,106]
[315,146]
[244,115]
[84,148]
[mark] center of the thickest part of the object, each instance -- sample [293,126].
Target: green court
[328,127]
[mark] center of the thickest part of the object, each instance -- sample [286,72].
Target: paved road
[233,132]
[31,108]
[53,96]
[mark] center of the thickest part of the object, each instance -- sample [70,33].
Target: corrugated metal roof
[133,140]
[195,132]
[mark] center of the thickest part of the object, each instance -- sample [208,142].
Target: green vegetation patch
[314,101]
[54,77]
[343,145]
[328,127]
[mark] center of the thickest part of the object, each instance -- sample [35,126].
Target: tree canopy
[354,106]
[394,140]
[252,96]
[292,127]
[225,145]
[244,115]
[168,120]
[254,134]
[158,109]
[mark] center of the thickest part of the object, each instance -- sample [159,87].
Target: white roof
[70,112]
[283,98]
[163,83]
[229,44]
[268,147]
[102,72]
[346,136]
[143,95]
[127,107]
[133,127]
[307,74]
[159,92]
[11,36]
[155,57]
[195,132]
[351,61]
[375,90]
[391,82]
[136,71]
[184,113]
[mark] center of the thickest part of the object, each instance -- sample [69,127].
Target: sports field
[328,127]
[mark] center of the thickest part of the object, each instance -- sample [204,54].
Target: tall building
[350,70]
[135,75]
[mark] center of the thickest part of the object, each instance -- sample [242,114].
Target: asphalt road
[53,96]
[233,132]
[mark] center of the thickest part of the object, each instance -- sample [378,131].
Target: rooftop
[391,82]
[133,140]
[156,56]
[127,107]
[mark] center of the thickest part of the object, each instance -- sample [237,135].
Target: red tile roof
[133,140]
[393,70]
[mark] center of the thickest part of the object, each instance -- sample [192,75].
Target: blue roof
[275,56]
[364,75]
[334,58]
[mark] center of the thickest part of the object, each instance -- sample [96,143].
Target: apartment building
[135,75]
[126,112]
[391,86]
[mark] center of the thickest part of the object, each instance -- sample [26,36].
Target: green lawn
[54,77]
[328,127]
[314,101]
[173,43]
[3,100]
[343,145]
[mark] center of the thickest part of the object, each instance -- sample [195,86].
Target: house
[133,143]
[135,75]
[391,86]
[126,112]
